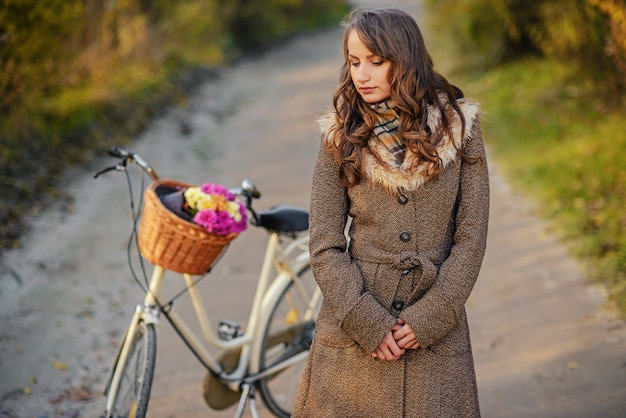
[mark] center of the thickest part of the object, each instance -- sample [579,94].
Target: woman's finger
[407,341]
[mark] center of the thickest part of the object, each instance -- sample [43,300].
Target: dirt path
[544,345]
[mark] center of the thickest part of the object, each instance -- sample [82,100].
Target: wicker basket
[167,240]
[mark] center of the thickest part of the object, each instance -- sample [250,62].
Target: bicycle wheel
[133,393]
[288,332]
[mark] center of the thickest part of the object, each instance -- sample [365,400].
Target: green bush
[558,142]
[588,34]
[257,23]
[34,37]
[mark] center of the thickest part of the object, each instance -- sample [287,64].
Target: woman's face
[369,72]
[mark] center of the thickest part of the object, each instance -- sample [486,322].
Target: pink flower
[206,219]
[242,225]
[212,188]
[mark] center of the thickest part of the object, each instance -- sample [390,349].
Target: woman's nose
[362,74]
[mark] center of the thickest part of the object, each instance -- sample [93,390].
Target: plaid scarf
[386,129]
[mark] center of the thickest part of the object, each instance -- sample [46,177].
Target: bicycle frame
[267,293]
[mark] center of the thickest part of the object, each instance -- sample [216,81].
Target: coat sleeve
[361,317]
[437,313]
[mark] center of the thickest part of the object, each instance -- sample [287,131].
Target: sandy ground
[544,342]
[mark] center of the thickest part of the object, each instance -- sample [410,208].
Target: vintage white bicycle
[268,357]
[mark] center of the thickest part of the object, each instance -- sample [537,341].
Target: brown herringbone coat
[415,249]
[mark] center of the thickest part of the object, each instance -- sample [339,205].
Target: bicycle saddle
[284,218]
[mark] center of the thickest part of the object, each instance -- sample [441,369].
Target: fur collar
[411,174]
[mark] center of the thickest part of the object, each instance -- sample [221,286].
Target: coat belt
[403,260]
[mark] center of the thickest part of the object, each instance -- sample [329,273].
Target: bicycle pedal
[227,329]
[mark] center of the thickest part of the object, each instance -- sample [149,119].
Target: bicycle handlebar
[248,189]
[125,158]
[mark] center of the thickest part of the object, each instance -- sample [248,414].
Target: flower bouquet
[216,209]
[185,228]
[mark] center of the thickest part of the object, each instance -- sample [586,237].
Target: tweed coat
[413,251]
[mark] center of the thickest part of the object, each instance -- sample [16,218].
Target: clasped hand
[396,342]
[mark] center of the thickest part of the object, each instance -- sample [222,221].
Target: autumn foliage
[590,34]
[80,75]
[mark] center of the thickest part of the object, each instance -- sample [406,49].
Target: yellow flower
[233,211]
[193,196]
[206,202]
[198,200]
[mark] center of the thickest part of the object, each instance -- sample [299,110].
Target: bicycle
[264,358]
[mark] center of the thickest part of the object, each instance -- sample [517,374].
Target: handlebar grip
[119,152]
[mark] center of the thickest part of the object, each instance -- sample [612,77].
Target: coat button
[405,236]
[397,305]
[403,199]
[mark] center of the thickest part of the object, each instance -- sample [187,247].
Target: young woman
[402,162]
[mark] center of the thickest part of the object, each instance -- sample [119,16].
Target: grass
[565,148]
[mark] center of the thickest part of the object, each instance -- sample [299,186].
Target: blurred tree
[576,31]
[587,33]
[616,42]
[253,24]
[33,45]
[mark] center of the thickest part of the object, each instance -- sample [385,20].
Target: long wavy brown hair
[392,35]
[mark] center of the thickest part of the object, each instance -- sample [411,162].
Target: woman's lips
[366,90]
